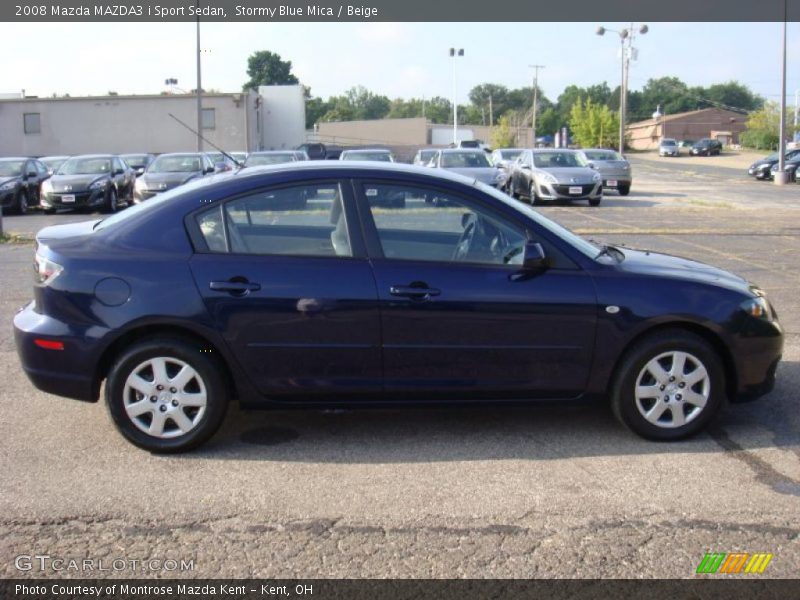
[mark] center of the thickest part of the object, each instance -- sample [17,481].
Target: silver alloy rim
[672,389]
[165,397]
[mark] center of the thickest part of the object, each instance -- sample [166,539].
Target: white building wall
[120,124]
[282,116]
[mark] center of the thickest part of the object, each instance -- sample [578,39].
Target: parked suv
[20,181]
[706,147]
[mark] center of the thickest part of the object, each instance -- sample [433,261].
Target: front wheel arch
[728,364]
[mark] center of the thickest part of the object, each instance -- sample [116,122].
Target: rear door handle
[235,286]
[410,291]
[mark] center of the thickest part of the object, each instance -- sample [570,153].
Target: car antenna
[212,144]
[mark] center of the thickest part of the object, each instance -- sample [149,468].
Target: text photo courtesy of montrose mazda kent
[227,289]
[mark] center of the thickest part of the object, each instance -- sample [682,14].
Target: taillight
[45,270]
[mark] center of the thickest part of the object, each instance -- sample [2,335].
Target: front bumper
[83,199]
[64,372]
[8,198]
[558,191]
[757,354]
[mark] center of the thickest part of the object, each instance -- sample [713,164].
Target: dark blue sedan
[338,284]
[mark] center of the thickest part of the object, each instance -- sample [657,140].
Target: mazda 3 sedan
[555,174]
[223,290]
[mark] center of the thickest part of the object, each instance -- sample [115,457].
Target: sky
[394,59]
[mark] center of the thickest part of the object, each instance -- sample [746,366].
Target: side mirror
[118,171]
[534,257]
[139,171]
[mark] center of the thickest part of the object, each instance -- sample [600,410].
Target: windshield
[269,159]
[574,240]
[554,160]
[85,166]
[11,168]
[181,163]
[510,154]
[135,160]
[53,163]
[464,160]
[380,156]
[602,155]
[668,143]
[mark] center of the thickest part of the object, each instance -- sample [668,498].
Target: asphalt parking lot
[540,491]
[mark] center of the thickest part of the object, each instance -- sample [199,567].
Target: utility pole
[781,177]
[535,97]
[454,54]
[199,89]
[491,115]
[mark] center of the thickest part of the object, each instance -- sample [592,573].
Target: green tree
[502,134]
[267,68]
[593,125]
[763,127]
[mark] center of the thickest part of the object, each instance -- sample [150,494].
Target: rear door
[287,283]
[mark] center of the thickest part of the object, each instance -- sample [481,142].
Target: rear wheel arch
[711,337]
[150,332]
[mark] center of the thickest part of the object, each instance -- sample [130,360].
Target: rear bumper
[66,372]
[618,181]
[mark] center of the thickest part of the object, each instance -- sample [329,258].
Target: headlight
[547,177]
[140,185]
[758,307]
[7,186]
[45,270]
[99,185]
[47,187]
[597,177]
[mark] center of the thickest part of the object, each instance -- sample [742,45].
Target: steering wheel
[465,241]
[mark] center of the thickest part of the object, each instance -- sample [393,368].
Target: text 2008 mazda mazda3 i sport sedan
[226,289]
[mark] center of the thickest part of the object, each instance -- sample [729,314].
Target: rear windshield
[465,160]
[380,156]
[603,154]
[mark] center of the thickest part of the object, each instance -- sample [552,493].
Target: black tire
[624,190]
[21,207]
[626,407]
[205,422]
[595,201]
[111,200]
[534,199]
[49,211]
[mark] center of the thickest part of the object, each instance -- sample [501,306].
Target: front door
[458,315]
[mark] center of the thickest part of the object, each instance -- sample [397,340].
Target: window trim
[25,123]
[354,232]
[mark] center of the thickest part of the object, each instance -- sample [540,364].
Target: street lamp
[781,176]
[625,57]
[455,53]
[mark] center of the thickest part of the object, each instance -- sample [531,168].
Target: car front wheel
[165,395]
[111,201]
[669,386]
[22,203]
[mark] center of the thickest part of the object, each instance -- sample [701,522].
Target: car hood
[67,230]
[7,179]
[764,162]
[75,182]
[482,174]
[565,175]
[165,181]
[666,265]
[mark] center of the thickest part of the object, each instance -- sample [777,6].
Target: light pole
[454,54]
[625,58]
[535,95]
[658,115]
[781,176]
[199,89]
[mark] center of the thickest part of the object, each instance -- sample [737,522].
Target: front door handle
[235,286]
[416,292]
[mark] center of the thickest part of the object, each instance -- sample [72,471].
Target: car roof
[265,152]
[181,154]
[368,150]
[546,150]
[461,151]
[16,158]
[94,156]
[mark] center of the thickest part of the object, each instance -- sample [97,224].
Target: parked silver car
[669,147]
[612,166]
[468,162]
[555,174]
[503,159]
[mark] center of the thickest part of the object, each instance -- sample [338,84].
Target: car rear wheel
[668,386]
[165,396]
[624,190]
[594,201]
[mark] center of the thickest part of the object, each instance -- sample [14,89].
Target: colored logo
[737,562]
